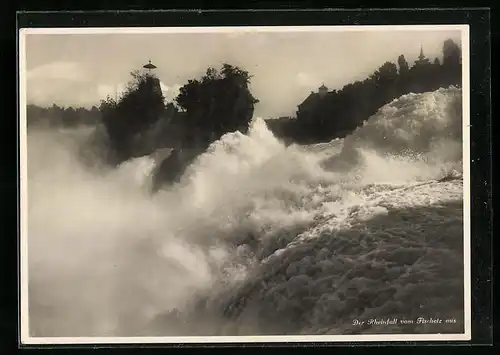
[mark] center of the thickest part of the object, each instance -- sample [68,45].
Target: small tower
[149,66]
[421,58]
[323,90]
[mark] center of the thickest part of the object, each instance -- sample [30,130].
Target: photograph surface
[242,184]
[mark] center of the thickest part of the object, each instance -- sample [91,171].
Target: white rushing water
[257,238]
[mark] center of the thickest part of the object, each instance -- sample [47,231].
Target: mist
[248,221]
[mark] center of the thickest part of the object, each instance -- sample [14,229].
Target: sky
[81,69]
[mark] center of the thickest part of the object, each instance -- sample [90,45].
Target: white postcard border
[26,339]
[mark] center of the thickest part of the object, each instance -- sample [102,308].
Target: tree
[218,103]
[339,112]
[386,74]
[70,117]
[404,75]
[452,66]
[56,116]
[404,68]
[451,53]
[141,105]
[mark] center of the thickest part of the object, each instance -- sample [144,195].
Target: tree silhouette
[404,74]
[140,106]
[385,80]
[404,68]
[218,103]
[56,116]
[338,113]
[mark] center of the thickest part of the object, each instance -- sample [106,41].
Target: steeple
[421,58]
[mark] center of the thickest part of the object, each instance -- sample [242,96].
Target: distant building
[422,59]
[311,101]
[323,90]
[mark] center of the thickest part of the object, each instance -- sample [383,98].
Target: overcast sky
[81,69]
